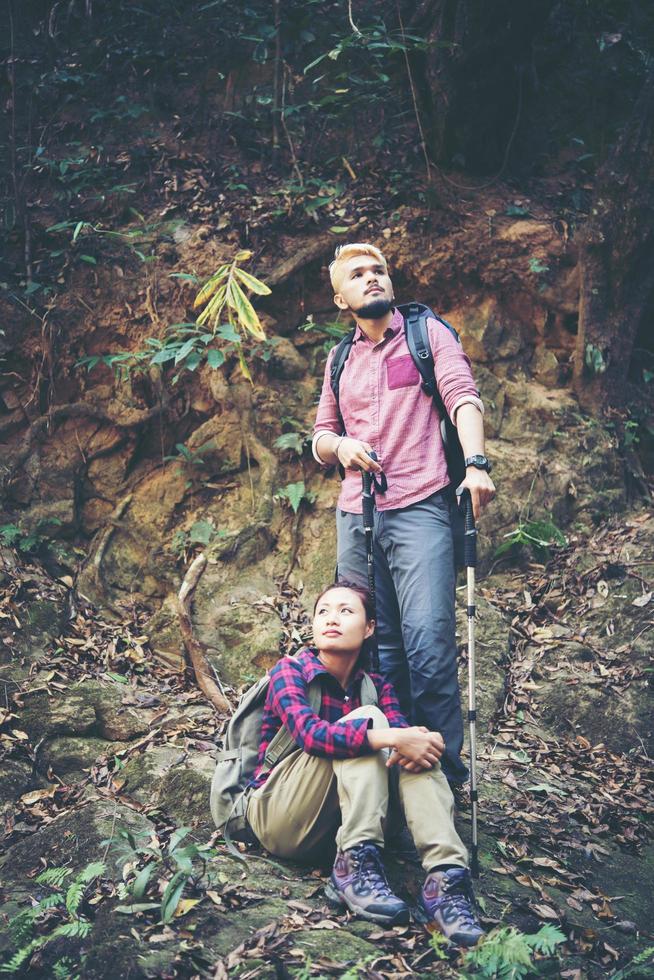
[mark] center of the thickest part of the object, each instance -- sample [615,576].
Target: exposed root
[98,557]
[196,653]
[125,420]
[315,249]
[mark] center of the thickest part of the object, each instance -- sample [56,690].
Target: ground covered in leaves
[107,757]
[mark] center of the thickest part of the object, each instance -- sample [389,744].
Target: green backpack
[235,765]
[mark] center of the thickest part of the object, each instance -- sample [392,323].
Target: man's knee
[379,719]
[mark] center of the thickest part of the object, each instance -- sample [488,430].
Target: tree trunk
[617,261]
[472,77]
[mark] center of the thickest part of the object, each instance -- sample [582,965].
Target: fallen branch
[197,656]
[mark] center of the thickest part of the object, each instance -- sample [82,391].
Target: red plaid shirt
[287,704]
[382,402]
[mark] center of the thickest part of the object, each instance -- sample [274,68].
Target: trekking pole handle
[368,502]
[469,529]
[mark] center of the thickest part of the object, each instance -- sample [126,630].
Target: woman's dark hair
[365,657]
[360,590]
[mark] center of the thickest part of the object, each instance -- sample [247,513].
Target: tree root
[197,656]
[314,250]
[130,418]
[101,590]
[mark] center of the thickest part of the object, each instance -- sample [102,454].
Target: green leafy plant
[293,494]
[187,345]
[539,536]
[637,965]
[31,541]
[180,866]
[201,533]
[439,945]
[294,441]
[594,359]
[57,915]
[507,954]
[191,457]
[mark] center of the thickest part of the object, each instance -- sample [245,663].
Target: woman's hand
[416,748]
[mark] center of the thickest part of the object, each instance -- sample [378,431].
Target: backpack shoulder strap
[282,743]
[368,690]
[341,355]
[417,338]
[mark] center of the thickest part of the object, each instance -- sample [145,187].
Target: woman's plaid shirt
[287,704]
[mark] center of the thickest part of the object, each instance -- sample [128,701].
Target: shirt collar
[392,330]
[312,667]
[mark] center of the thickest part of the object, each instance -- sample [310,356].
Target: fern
[506,954]
[75,892]
[20,927]
[74,896]
[546,940]
[91,871]
[77,929]
[641,959]
[53,876]
[20,958]
[64,969]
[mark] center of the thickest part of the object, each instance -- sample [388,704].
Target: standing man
[383,408]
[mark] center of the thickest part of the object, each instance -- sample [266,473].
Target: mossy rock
[71,756]
[15,778]
[599,714]
[66,714]
[174,779]
[89,707]
[73,839]
[241,634]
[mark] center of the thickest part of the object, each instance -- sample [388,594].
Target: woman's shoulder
[294,663]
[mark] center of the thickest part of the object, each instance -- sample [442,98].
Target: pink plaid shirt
[382,402]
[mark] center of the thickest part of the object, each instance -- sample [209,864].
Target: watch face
[479,461]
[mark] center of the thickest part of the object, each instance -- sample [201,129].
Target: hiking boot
[358,881]
[448,902]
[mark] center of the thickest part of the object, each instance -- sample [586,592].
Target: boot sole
[431,926]
[338,901]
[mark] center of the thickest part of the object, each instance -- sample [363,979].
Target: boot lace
[370,869]
[456,903]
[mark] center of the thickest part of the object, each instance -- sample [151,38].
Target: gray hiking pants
[415,582]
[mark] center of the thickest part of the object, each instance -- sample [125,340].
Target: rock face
[154,506]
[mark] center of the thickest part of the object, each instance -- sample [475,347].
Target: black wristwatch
[479,462]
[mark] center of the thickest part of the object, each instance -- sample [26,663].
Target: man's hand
[416,748]
[353,454]
[481,487]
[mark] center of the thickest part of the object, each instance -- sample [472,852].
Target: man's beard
[375,309]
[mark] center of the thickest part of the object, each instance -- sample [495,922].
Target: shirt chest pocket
[401,372]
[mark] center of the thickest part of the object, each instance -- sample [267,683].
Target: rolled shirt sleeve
[453,373]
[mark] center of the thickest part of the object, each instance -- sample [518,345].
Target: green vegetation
[56,915]
[182,867]
[508,954]
[293,494]
[537,536]
[187,345]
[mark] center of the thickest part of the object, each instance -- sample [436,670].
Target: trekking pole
[368,502]
[470,561]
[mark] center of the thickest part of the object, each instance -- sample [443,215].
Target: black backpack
[417,338]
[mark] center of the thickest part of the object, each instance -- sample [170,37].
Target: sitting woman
[337,786]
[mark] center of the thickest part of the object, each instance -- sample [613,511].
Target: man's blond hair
[345,252]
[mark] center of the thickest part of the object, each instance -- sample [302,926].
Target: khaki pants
[308,800]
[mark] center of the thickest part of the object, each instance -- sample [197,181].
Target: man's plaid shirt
[287,704]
